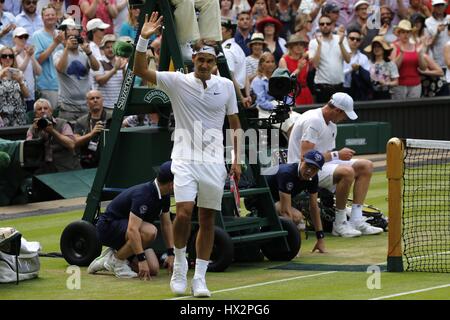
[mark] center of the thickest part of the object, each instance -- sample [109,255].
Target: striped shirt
[111,89]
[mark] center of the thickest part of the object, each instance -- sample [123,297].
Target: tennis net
[426,205]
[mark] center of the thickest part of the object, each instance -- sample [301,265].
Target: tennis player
[200,102]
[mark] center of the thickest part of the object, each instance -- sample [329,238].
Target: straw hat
[257,38]
[380,39]
[404,25]
[296,39]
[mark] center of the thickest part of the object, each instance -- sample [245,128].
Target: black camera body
[44,122]
[281,84]
[80,39]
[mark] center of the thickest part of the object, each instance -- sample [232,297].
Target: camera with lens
[80,39]
[283,87]
[44,122]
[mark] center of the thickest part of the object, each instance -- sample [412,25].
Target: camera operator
[88,128]
[58,139]
[73,65]
[266,103]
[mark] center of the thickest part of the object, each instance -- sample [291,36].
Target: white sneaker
[120,268]
[99,263]
[178,281]
[345,230]
[365,228]
[199,289]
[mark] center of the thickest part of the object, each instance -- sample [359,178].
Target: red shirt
[101,13]
[409,75]
[305,96]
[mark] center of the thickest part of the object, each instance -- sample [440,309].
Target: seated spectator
[109,78]
[13,90]
[296,61]
[27,63]
[260,88]
[290,180]
[58,139]
[409,58]
[383,72]
[356,73]
[256,45]
[271,28]
[88,129]
[72,65]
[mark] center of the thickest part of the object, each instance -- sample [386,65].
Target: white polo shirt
[311,126]
[199,114]
[235,61]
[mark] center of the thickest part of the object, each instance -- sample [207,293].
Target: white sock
[341,216]
[357,214]
[200,268]
[180,255]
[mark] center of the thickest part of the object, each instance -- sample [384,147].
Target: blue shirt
[144,200]
[287,180]
[260,87]
[13,6]
[243,43]
[31,25]
[128,30]
[48,80]
[6,19]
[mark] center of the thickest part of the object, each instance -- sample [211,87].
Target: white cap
[344,102]
[207,49]
[69,22]
[360,2]
[19,31]
[96,24]
[436,2]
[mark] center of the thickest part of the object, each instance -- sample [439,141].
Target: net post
[394,174]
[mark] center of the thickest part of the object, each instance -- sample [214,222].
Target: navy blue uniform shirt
[144,200]
[287,180]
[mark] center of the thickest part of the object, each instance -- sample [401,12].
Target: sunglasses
[30,2]
[7,56]
[354,39]
[24,36]
[325,24]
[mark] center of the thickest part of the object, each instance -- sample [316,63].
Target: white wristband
[142,45]
[334,155]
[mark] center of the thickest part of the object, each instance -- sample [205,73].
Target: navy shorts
[112,232]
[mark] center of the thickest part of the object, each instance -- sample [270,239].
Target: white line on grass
[262,284]
[411,292]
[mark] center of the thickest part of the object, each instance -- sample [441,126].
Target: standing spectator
[408,58]
[123,12]
[241,6]
[109,78]
[47,41]
[327,52]
[311,8]
[13,6]
[256,45]
[29,18]
[235,61]
[346,11]
[356,73]
[447,57]
[88,129]
[285,11]
[244,31]
[73,65]
[361,20]
[303,26]
[7,26]
[105,10]
[27,63]
[227,12]
[129,28]
[13,90]
[387,27]
[60,10]
[419,35]
[418,7]
[59,140]
[296,61]
[383,72]
[271,28]
[332,11]
[259,11]
[436,25]
[96,30]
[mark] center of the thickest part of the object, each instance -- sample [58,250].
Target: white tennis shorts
[204,181]
[326,174]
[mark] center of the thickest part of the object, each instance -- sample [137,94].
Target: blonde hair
[14,65]
[300,21]
[266,55]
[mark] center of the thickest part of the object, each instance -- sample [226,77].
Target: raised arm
[151,26]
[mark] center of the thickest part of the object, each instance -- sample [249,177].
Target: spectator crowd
[60,55]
